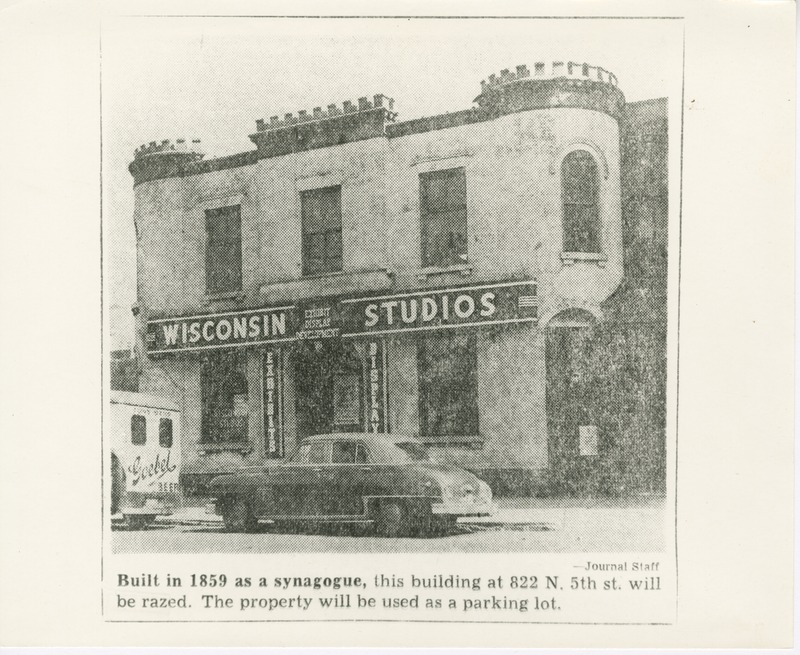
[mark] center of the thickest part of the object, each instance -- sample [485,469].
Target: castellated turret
[154,161]
[552,84]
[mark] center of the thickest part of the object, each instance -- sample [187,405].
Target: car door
[350,477]
[297,488]
[312,483]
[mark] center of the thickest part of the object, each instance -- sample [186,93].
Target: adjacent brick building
[492,280]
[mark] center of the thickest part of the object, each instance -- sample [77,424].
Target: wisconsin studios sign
[414,311]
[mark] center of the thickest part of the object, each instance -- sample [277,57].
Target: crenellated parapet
[550,70]
[156,160]
[552,84]
[332,111]
[168,146]
[319,128]
[544,85]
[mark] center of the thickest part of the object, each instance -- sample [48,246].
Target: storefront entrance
[328,388]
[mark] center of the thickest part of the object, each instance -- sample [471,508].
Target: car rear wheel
[392,519]
[237,516]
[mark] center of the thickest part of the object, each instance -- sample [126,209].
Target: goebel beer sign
[413,311]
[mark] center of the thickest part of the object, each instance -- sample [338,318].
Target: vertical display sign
[273,403]
[376,387]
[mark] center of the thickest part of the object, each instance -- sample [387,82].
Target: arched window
[579,197]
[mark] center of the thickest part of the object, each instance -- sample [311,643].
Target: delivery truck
[145,457]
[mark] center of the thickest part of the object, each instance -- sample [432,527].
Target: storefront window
[225,400]
[443,214]
[322,230]
[448,385]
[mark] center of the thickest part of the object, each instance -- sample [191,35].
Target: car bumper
[454,508]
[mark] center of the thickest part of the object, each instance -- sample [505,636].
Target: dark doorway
[328,388]
[571,404]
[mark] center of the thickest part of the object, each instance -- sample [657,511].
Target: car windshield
[413,451]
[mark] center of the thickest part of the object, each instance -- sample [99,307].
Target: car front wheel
[237,516]
[392,519]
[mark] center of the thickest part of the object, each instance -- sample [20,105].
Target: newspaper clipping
[416,323]
[416,326]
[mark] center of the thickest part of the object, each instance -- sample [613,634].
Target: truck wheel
[391,519]
[237,516]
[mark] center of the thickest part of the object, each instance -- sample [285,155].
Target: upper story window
[580,199]
[322,230]
[443,214]
[224,249]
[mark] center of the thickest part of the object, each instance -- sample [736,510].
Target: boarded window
[165,433]
[223,249]
[443,216]
[224,395]
[138,430]
[448,385]
[579,189]
[322,230]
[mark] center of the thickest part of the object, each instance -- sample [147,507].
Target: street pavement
[521,524]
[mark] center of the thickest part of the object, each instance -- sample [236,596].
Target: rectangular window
[138,430]
[448,385]
[223,382]
[322,230]
[224,249]
[165,433]
[443,215]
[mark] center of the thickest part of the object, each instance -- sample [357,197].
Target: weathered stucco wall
[515,231]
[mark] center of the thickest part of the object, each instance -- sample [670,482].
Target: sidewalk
[549,513]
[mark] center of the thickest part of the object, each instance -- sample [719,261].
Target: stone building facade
[492,280]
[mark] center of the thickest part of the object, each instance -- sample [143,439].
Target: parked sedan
[386,480]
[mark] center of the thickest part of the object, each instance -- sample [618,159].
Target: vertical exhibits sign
[273,403]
